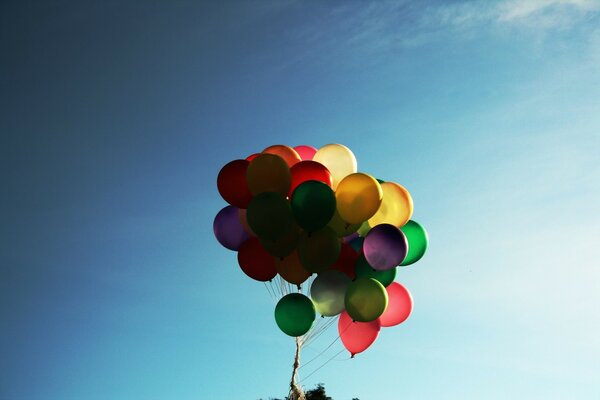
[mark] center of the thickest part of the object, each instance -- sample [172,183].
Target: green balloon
[313,205]
[362,268]
[364,229]
[327,292]
[285,245]
[418,240]
[366,299]
[341,227]
[270,216]
[357,244]
[295,314]
[319,250]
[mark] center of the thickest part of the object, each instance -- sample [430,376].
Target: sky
[116,117]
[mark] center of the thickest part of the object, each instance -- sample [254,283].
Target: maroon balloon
[228,229]
[255,261]
[305,152]
[385,247]
[357,336]
[346,261]
[232,184]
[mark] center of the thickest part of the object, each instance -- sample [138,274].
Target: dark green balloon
[313,205]
[319,250]
[362,268]
[270,216]
[366,299]
[418,240]
[285,245]
[295,314]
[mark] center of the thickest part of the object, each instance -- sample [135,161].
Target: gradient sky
[115,119]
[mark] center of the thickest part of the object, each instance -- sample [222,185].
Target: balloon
[283,246]
[268,173]
[244,222]
[255,261]
[305,152]
[318,250]
[364,229]
[338,159]
[358,197]
[341,227]
[396,207]
[351,237]
[252,156]
[291,270]
[399,307]
[418,240]
[289,155]
[385,247]
[313,205]
[232,185]
[228,228]
[357,336]
[327,292]
[357,244]
[366,299]
[295,314]
[346,261]
[362,268]
[309,171]
[270,216]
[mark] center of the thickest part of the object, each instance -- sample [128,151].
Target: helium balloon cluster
[308,215]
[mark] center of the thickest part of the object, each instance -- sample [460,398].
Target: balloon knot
[351,355]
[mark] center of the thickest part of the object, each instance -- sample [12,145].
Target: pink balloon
[357,336]
[305,152]
[400,305]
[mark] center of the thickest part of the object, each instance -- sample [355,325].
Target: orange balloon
[289,155]
[291,270]
[358,197]
[396,207]
[268,173]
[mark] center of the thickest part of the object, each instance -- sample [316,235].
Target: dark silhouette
[318,393]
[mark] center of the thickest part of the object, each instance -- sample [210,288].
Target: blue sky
[115,119]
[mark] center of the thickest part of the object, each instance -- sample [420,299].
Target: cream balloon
[338,159]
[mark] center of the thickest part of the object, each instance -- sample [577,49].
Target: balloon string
[322,365]
[320,354]
[270,293]
[318,331]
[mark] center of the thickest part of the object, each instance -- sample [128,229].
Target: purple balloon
[228,229]
[385,247]
[351,237]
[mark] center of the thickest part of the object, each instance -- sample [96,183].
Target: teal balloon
[295,314]
[362,268]
[313,205]
[319,250]
[418,240]
[270,216]
[366,299]
[327,292]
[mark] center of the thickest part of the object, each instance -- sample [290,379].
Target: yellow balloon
[358,197]
[338,159]
[396,207]
[268,173]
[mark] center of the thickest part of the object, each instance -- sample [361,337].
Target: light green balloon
[341,227]
[418,240]
[366,299]
[327,292]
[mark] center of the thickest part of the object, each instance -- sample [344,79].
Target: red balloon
[346,261]
[309,171]
[357,336]
[252,156]
[400,305]
[305,152]
[255,261]
[232,184]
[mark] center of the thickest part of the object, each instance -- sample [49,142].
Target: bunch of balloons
[303,213]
